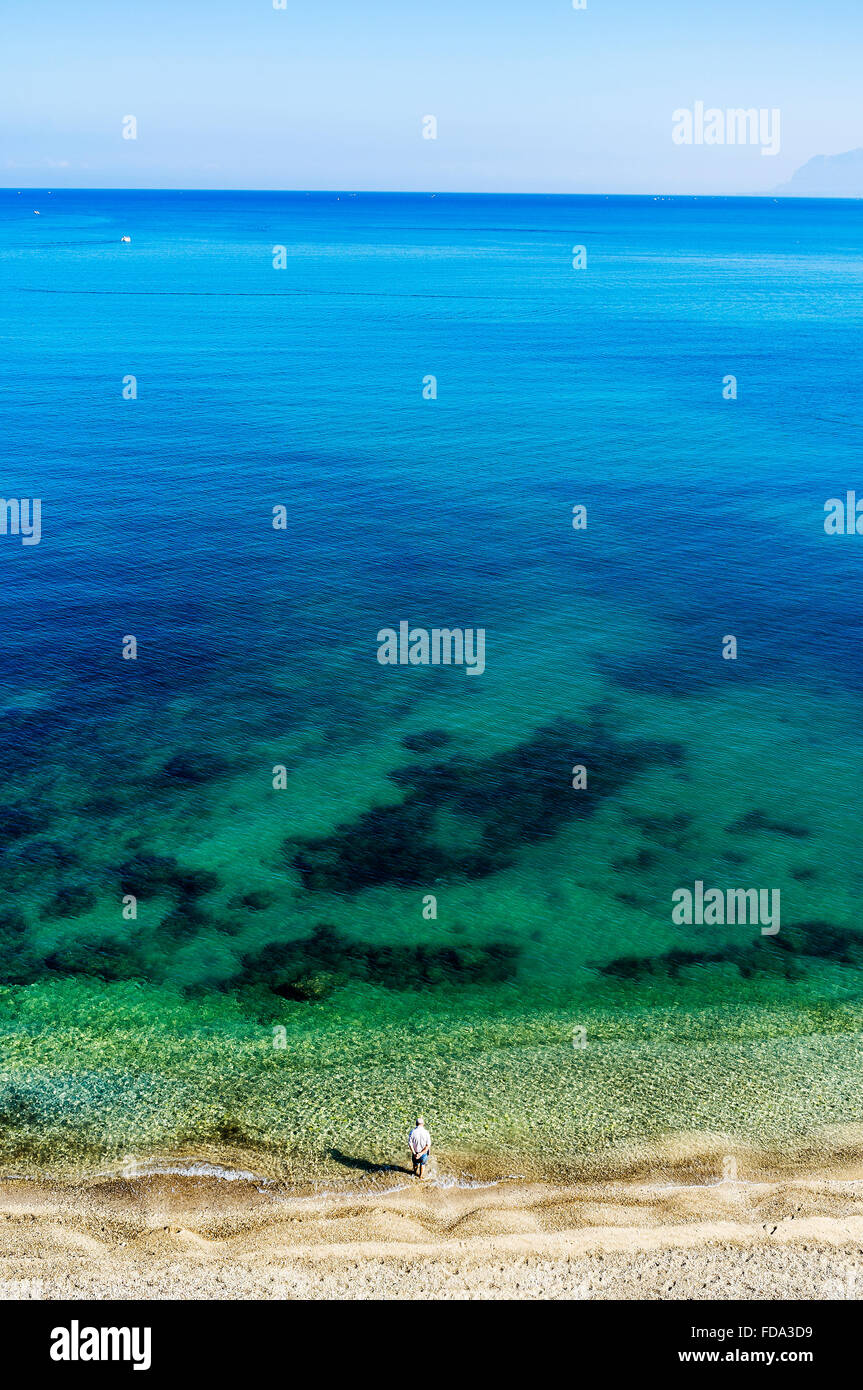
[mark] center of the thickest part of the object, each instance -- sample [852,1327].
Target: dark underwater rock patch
[71,900]
[256,901]
[668,965]
[184,921]
[521,797]
[18,960]
[100,958]
[668,831]
[309,967]
[759,820]
[147,875]
[782,954]
[630,899]
[640,862]
[231,1131]
[824,940]
[427,742]
[194,883]
[749,960]
[46,853]
[153,875]
[191,769]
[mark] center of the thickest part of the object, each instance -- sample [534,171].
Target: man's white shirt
[419,1139]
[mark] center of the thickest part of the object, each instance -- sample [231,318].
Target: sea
[265,891]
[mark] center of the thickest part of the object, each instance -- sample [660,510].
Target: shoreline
[690,1157]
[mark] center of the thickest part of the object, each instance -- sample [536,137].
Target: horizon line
[425,193]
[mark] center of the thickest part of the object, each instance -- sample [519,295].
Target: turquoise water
[302,388]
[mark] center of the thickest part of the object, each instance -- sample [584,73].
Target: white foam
[181,1168]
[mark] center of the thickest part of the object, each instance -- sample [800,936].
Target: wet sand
[169,1236]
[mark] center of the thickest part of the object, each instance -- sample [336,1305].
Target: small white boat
[125,238]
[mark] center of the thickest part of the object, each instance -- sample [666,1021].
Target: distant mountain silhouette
[827,176]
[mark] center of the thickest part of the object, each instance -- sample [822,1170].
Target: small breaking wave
[180,1168]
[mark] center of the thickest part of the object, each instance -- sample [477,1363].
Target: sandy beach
[169,1236]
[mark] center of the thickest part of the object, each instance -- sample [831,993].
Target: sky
[528,95]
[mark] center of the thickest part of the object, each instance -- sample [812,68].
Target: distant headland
[827,176]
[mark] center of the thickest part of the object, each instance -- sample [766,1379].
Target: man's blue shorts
[424,1158]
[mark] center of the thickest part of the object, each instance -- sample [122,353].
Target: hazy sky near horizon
[529,95]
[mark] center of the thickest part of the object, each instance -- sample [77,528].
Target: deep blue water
[302,387]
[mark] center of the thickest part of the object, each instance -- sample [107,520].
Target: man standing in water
[420,1146]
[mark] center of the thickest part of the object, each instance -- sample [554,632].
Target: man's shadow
[365,1165]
